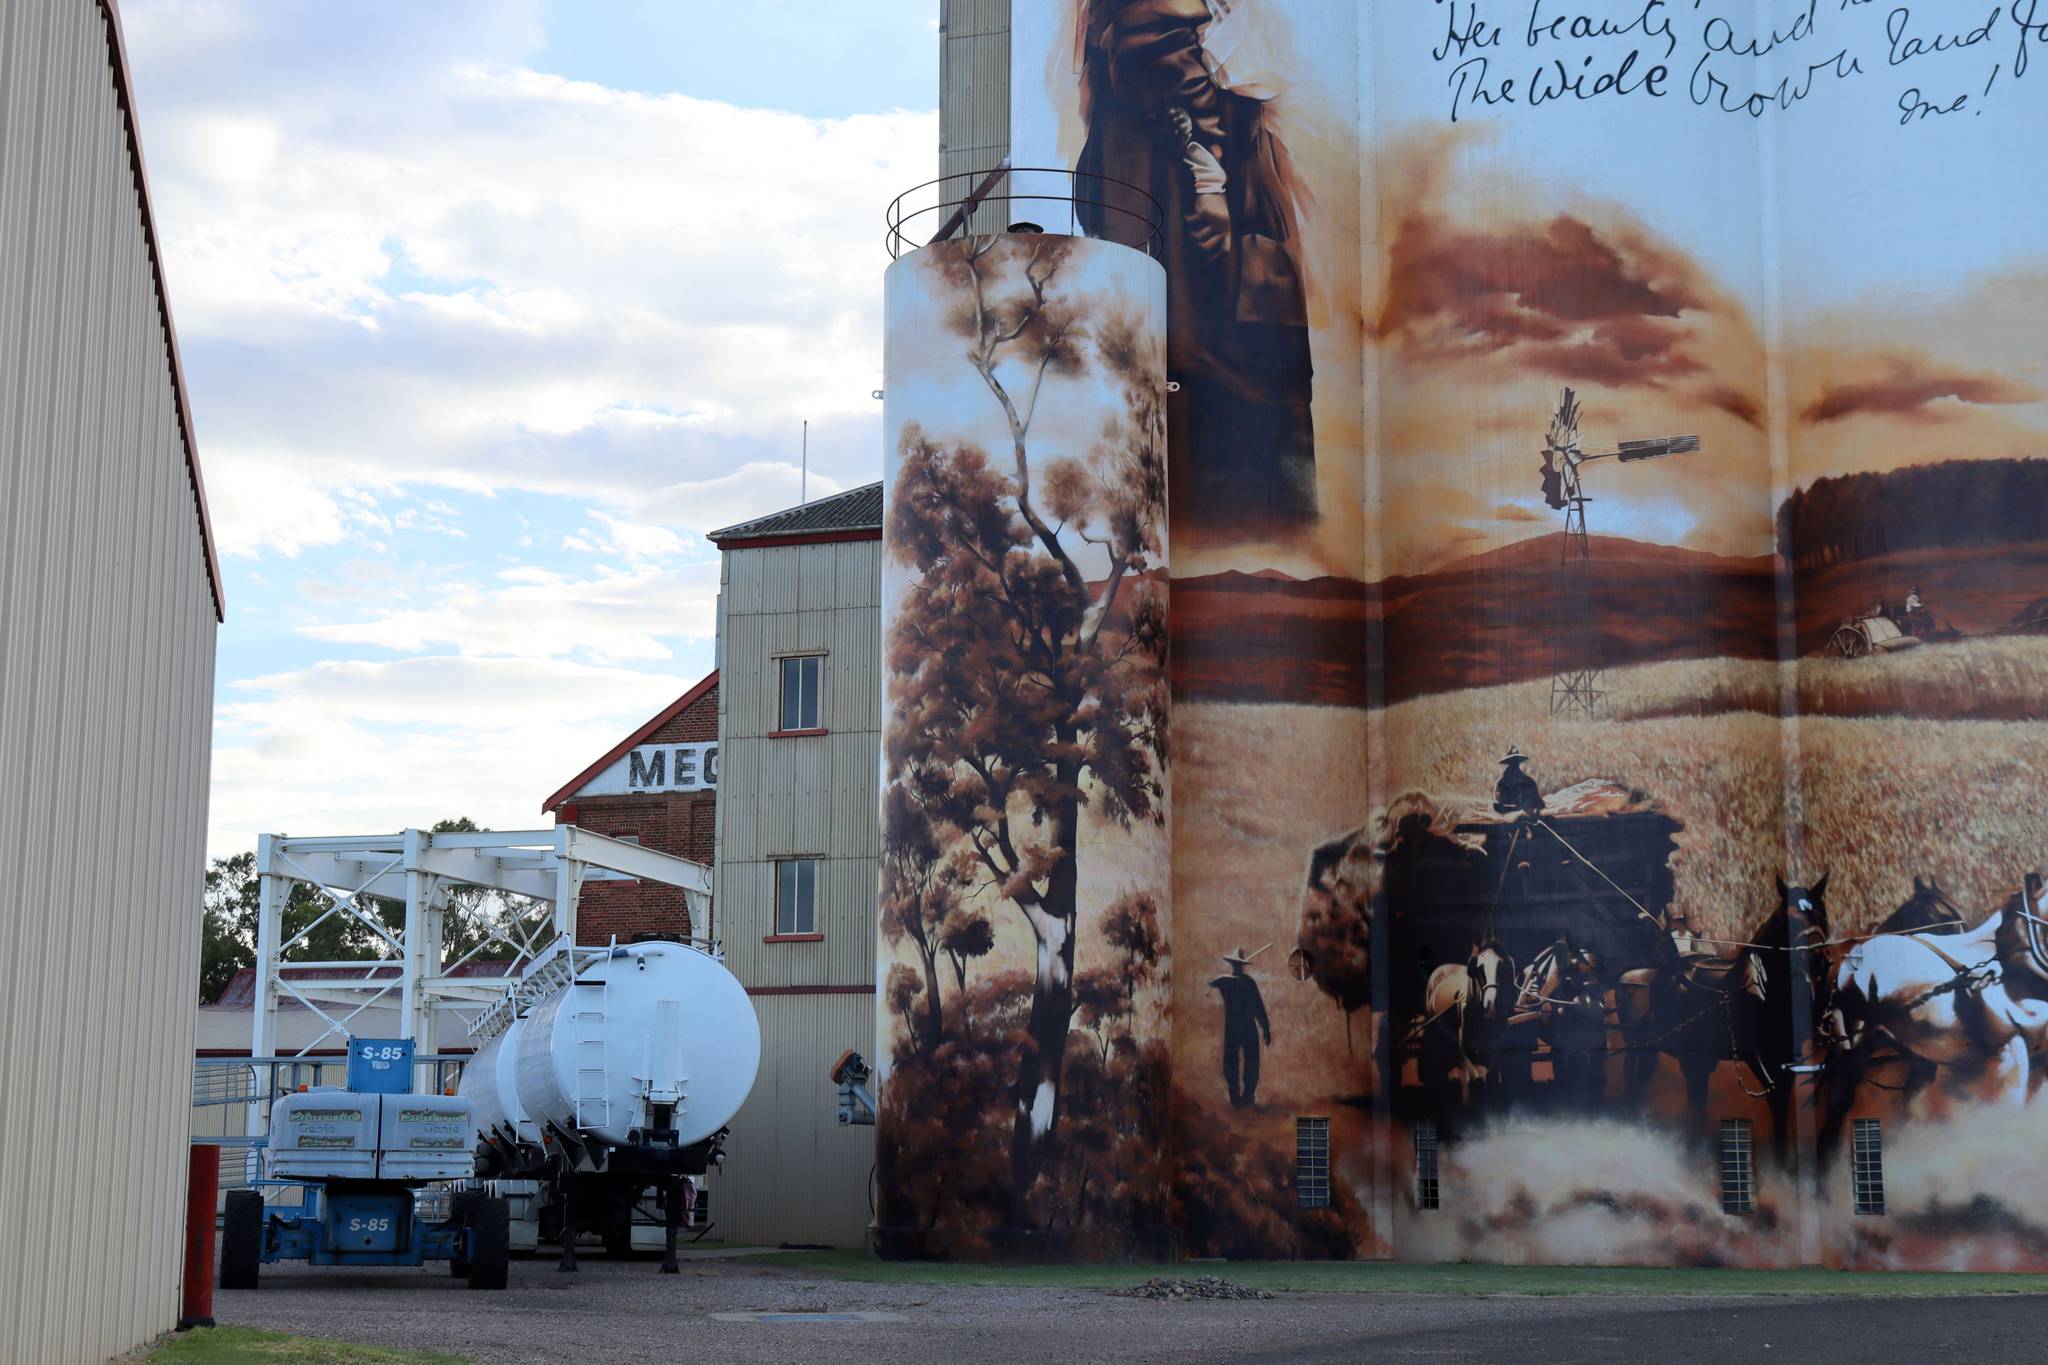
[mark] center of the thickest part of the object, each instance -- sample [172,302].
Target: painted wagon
[1573,896]
[1860,637]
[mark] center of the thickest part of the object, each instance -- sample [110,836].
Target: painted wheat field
[1878,783]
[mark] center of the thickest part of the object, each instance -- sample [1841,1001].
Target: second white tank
[655,1026]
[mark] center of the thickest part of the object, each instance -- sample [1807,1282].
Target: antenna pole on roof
[803,495]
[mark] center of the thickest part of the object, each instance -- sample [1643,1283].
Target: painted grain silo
[1605,471]
[1025,883]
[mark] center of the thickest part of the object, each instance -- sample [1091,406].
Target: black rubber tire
[490,1243]
[458,1214]
[241,1239]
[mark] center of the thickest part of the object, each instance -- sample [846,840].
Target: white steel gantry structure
[420,868]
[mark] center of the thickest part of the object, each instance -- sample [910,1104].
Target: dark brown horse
[1756,1007]
[1927,911]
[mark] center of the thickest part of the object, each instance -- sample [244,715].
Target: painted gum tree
[1029,651]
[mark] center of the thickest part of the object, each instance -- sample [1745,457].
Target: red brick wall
[681,823]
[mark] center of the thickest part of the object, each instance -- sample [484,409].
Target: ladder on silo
[593,1074]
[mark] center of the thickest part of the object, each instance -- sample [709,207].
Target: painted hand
[1208,172]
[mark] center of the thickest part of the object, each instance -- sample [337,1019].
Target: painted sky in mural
[1623,179]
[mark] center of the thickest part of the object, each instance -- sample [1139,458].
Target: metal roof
[117,56]
[857,509]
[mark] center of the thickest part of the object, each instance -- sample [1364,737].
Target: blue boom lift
[362,1152]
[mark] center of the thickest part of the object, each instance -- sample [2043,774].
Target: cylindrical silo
[1023,972]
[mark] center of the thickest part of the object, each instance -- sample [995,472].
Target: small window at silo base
[1738,1167]
[1867,1169]
[1312,1162]
[1428,1192]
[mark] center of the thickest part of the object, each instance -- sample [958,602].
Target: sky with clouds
[489,310]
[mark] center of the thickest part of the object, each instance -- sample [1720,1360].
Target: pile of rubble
[1181,1291]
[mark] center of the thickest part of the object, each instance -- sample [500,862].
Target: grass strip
[252,1346]
[1383,1277]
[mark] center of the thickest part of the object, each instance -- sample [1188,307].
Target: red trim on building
[802,538]
[810,990]
[124,86]
[792,938]
[798,734]
[669,713]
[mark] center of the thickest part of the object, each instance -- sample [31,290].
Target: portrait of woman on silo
[1178,98]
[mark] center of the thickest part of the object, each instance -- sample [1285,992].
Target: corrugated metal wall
[106,681]
[794,1175]
[974,96]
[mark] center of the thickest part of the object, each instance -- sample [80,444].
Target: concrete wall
[107,624]
[794,1175]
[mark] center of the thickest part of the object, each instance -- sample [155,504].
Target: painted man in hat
[1181,102]
[1516,792]
[1244,1019]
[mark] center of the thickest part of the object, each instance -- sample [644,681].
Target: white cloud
[260,506]
[609,615]
[361,748]
[749,491]
[404,261]
[632,539]
[450,268]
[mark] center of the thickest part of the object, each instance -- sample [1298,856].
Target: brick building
[657,787]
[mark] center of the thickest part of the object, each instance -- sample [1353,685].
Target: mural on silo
[1610,507]
[1026,885]
[1241,126]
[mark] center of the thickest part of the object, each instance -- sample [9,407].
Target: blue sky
[490,309]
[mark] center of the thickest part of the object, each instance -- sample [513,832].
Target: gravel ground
[616,1313]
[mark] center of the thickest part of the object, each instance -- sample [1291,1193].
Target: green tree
[233,898]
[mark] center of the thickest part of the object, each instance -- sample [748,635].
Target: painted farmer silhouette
[1244,1019]
[1516,791]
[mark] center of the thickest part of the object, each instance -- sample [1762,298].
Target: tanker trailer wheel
[241,1239]
[490,1243]
[460,1208]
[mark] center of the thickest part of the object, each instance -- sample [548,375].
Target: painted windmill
[1576,684]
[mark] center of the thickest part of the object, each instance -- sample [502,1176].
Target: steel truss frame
[419,867]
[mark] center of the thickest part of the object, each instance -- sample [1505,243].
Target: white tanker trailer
[601,1088]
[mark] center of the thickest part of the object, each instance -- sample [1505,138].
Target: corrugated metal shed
[108,611]
[794,1174]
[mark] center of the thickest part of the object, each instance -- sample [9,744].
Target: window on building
[796,896]
[1868,1171]
[1428,1194]
[1312,1162]
[802,677]
[1738,1167]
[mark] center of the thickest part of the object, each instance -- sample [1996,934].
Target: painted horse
[1757,1008]
[1967,1010]
[1928,910]
[1464,1034]
[1560,1004]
